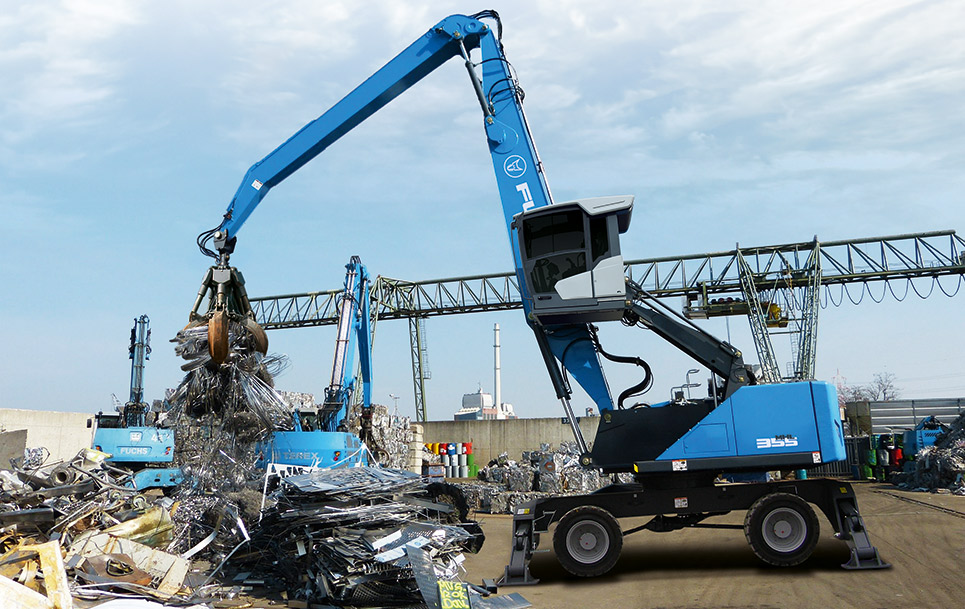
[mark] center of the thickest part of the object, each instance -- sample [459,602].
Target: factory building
[479,406]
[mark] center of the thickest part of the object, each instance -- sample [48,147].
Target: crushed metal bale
[388,435]
[505,484]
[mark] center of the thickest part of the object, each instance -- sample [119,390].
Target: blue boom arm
[518,170]
[353,330]
[439,44]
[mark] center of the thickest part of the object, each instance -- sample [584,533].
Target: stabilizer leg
[853,532]
[517,571]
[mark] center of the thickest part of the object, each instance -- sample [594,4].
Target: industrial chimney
[497,390]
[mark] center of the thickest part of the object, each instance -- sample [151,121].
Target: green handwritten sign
[453,595]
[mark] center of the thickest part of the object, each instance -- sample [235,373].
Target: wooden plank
[16,596]
[55,575]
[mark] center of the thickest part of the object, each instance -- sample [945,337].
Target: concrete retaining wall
[512,436]
[12,445]
[64,434]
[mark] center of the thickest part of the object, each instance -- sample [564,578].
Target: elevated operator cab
[571,261]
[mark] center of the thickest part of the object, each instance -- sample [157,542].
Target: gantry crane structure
[780,288]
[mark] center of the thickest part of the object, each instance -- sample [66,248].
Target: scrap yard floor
[921,534]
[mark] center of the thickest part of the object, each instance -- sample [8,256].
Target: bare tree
[853,393]
[882,388]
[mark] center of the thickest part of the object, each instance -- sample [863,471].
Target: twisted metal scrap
[348,530]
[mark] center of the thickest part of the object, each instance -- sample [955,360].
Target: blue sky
[126,127]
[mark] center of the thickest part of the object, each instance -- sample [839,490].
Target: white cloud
[55,65]
[126,127]
[834,161]
[819,66]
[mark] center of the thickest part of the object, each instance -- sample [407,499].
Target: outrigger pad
[867,562]
[863,554]
[517,572]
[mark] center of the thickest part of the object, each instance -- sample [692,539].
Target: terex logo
[293,455]
[514,166]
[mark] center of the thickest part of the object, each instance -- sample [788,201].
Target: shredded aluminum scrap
[243,383]
[539,473]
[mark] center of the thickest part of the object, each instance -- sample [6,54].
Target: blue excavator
[570,270]
[135,444]
[320,438]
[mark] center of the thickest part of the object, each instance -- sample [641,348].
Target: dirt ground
[922,535]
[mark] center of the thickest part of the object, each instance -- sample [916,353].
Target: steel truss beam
[802,266]
[933,254]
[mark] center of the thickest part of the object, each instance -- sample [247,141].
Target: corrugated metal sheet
[899,415]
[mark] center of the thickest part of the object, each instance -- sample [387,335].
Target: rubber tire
[772,510]
[443,492]
[592,521]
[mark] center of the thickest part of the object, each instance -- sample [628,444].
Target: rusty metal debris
[73,529]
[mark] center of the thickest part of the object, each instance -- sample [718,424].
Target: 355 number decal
[777,442]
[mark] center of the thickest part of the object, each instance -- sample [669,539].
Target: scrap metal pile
[344,536]
[362,536]
[72,529]
[539,473]
[338,535]
[941,466]
[221,414]
[388,435]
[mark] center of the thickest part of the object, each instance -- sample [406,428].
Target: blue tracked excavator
[320,438]
[130,436]
[571,276]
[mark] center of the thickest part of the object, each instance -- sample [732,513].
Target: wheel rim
[784,530]
[587,542]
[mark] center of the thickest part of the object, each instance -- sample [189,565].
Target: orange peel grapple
[227,302]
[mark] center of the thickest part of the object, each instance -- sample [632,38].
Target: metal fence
[843,469]
[895,416]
